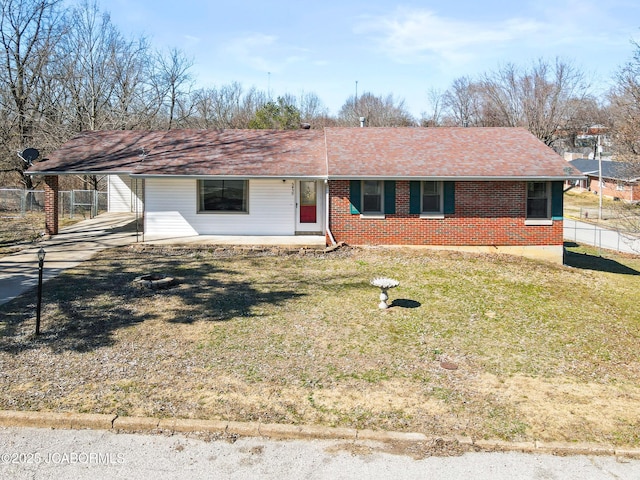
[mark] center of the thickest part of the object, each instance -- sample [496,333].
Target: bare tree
[541,98]
[132,104]
[89,51]
[378,111]
[432,117]
[625,109]
[589,113]
[228,106]
[463,102]
[170,77]
[624,100]
[312,110]
[251,102]
[29,30]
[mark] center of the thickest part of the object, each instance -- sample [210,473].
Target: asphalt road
[38,454]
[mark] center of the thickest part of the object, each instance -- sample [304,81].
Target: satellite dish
[29,155]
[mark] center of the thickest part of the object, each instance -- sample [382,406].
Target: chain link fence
[16,202]
[82,202]
[594,214]
[601,238]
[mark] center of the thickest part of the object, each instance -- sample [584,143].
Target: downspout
[134,198]
[326,193]
[333,240]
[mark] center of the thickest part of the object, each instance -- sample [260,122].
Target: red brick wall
[51,204]
[630,193]
[486,213]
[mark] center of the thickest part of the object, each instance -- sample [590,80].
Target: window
[223,195]
[538,200]
[373,198]
[431,197]
[372,195]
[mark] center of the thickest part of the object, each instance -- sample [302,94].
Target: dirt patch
[417,450]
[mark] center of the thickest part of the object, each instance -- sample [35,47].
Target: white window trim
[377,214]
[432,214]
[538,222]
[219,212]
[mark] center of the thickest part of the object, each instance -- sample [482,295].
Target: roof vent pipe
[362,120]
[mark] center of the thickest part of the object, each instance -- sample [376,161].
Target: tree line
[68,70]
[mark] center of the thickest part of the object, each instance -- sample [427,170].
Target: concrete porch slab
[302,241]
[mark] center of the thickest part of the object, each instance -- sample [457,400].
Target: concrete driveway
[72,246]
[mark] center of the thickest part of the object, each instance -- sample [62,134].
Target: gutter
[81,172]
[459,178]
[243,177]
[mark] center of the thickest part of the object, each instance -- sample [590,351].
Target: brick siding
[630,193]
[51,189]
[486,213]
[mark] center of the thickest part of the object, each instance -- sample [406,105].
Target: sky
[335,48]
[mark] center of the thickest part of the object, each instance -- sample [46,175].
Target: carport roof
[295,153]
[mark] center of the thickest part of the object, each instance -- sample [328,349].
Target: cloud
[264,52]
[412,36]
[191,40]
[248,50]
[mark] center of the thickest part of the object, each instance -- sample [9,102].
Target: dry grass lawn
[19,232]
[543,352]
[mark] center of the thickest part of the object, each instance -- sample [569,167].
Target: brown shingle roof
[441,153]
[348,153]
[242,153]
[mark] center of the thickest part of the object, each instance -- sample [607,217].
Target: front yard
[542,351]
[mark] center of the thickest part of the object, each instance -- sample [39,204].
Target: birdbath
[384,284]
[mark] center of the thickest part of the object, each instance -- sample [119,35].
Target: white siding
[121,197]
[119,193]
[172,210]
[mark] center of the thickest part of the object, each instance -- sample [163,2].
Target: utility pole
[600,185]
[269,86]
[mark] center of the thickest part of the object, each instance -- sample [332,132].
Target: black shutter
[449,197]
[389,197]
[355,195]
[414,197]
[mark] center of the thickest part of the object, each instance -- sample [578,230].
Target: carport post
[51,204]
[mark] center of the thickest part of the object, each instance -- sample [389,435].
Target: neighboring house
[442,187]
[618,179]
